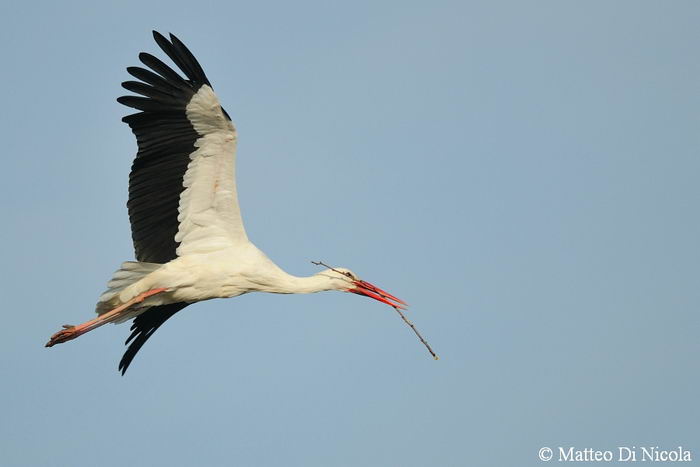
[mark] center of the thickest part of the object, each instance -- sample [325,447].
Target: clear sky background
[524,174]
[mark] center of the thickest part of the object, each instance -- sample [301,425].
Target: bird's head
[347,281]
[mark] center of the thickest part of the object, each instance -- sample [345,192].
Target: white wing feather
[209,215]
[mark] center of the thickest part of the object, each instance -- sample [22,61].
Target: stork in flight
[186,225]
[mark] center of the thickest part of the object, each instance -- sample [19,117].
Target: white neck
[287,283]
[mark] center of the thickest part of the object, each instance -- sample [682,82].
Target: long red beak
[372,291]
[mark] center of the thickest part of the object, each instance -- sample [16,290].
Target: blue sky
[524,174]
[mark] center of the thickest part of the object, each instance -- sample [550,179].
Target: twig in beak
[372,288]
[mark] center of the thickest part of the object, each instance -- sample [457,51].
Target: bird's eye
[349,274]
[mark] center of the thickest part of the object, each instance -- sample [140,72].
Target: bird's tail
[129,273]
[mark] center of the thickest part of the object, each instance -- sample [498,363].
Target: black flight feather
[162,69]
[150,91]
[153,79]
[143,327]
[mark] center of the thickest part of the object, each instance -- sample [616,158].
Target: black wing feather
[144,326]
[182,57]
[162,69]
[162,95]
[153,79]
[146,104]
[165,140]
[187,57]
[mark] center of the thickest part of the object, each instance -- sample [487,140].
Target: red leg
[71,332]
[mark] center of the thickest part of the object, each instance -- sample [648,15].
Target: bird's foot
[68,332]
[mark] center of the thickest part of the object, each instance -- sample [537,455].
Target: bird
[189,240]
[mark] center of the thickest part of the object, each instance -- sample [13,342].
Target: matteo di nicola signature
[620,454]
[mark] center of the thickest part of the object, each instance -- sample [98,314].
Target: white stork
[186,225]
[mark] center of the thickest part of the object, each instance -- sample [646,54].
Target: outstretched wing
[182,191]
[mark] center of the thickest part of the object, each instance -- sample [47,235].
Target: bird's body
[186,223]
[221,274]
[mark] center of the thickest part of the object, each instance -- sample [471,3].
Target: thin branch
[321,263]
[425,343]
